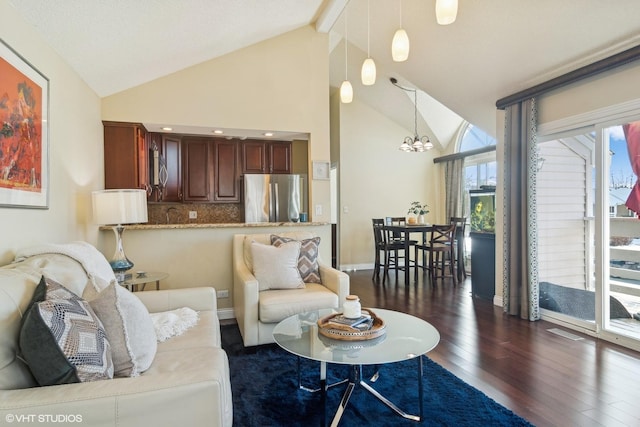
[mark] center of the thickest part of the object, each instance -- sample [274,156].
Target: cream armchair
[258,312]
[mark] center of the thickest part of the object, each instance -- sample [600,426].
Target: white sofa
[188,383]
[258,312]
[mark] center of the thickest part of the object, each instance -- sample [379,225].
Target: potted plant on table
[420,210]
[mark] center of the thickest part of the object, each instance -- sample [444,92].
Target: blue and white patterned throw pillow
[62,340]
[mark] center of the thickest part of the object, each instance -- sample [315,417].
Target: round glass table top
[406,337]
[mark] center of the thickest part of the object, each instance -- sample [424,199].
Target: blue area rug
[264,384]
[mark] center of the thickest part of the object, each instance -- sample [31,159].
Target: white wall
[378,180]
[612,88]
[76,152]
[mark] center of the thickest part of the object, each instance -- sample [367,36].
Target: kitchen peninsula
[198,254]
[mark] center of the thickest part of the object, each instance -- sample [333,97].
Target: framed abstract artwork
[24,132]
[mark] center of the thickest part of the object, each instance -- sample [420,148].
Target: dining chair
[440,252]
[392,250]
[398,220]
[460,250]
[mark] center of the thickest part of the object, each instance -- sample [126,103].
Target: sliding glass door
[589,241]
[566,223]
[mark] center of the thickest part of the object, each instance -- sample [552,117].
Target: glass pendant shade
[346,92]
[400,46]
[446,11]
[406,146]
[368,73]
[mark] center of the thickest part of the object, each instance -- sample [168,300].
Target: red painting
[21,130]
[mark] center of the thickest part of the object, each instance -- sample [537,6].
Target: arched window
[479,169]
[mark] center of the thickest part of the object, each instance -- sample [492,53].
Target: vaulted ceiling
[493,49]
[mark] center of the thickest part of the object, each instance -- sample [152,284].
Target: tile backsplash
[178,213]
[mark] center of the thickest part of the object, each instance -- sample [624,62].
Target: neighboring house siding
[562,208]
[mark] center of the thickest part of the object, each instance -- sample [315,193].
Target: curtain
[520,240]
[454,186]
[632,135]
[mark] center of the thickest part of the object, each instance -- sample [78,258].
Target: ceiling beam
[330,15]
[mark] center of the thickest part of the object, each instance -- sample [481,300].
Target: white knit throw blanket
[94,263]
[173,323]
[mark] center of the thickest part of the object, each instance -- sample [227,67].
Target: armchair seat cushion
[276,305]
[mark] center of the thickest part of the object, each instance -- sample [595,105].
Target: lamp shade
[119,206]
[346,92]
[400,46]
[446,11]
[368,72]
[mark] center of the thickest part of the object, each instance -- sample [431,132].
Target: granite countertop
[225,225]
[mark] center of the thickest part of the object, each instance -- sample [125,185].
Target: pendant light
[400,43]
[346,90]
[415,144]
[446,11]
[368,73]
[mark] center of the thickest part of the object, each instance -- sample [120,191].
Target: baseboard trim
[356,267]
[226,313]
[497,300]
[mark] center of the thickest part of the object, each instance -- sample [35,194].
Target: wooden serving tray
[348,333]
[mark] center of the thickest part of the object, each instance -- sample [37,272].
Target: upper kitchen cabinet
[172,191]
[279,157]
[197,169]
[226,180]
[266,157]
[126,156]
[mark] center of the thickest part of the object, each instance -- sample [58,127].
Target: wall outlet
[193,214]
[223,293]
[318,210]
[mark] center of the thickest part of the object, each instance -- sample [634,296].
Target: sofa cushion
[308,259]
[276,267]
[61,338]
[276,305]
[129,330]
[205,334]
[265,239]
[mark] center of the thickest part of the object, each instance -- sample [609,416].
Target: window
[481,169]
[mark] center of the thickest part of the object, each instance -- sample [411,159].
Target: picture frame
[321,170]
[24,132]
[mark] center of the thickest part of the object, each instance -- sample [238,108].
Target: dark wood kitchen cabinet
[197,169]
[126,156]
[279,157]
[226,180]
[266,157]
[172,191]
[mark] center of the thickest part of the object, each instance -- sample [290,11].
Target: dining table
[404,231]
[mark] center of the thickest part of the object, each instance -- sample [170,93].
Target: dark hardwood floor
[548,379]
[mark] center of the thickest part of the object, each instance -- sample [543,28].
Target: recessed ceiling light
[218,131]
[167,128]
[268,134]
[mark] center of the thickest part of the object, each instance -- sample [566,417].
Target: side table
[144,278]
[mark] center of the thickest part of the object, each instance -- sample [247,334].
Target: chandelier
[415,144]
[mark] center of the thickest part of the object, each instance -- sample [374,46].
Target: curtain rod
[464,154]
[597,67]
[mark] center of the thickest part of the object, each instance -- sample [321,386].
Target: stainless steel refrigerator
[274,198]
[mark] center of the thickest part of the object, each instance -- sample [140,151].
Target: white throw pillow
[276,267]
[129,329]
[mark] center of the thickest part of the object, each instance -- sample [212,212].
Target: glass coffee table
[406,337]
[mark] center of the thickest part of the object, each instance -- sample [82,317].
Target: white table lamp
[117,208]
